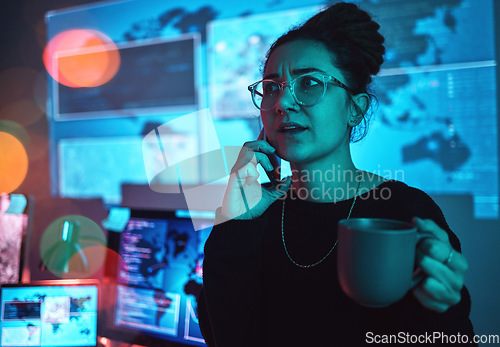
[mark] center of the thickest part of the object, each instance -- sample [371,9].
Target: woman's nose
[286,101]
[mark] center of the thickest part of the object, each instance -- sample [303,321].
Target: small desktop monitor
[154,281]
[50,313]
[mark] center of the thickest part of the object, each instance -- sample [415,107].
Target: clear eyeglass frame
[281,86]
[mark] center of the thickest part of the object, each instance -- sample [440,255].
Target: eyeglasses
[308,90]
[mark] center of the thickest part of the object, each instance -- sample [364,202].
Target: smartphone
[277,160]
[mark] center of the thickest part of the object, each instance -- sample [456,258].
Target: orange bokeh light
[13,163]
[81,58]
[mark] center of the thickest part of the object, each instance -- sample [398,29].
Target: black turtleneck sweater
[253,295]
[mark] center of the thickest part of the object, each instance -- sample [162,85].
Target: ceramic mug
[376,259]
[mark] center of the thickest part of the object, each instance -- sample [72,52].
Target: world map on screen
[43,319]
[161,275]
[436,92]
[436,102]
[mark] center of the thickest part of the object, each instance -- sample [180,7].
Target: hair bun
[345,27]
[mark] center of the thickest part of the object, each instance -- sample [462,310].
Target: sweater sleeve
[228,304]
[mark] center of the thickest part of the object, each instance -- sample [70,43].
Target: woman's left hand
[445,269]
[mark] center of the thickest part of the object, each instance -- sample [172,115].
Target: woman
[270,269]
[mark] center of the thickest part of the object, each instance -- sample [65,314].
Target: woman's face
[317,134]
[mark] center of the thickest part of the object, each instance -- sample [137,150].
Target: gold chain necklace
[330,251]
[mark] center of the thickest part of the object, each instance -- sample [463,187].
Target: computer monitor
[50,313]
[156,278]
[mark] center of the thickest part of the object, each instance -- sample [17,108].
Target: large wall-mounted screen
[435,125]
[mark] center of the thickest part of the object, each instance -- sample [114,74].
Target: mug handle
[419,277]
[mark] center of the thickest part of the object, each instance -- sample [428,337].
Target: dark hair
[352,36]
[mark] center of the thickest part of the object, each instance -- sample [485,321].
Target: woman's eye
[308,82]
[270,88]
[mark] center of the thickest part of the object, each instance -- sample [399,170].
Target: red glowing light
[81,58]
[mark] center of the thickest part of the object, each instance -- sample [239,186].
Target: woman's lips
[291,128]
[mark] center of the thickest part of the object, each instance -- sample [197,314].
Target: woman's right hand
[245,198]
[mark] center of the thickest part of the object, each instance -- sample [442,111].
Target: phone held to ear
[275,161]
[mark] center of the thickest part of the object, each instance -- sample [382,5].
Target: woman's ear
[359,107]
